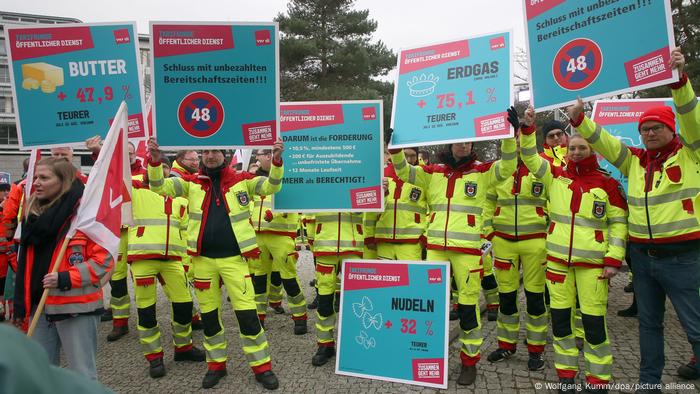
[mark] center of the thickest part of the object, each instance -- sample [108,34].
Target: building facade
[10,156]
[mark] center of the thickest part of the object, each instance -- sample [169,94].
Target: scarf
[43,233]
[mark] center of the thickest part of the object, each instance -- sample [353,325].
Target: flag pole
[45,294]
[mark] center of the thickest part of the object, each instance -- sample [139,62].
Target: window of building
[8,134]
[4,73]
[5,104]
[3,50]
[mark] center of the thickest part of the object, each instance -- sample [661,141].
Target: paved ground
[122,367]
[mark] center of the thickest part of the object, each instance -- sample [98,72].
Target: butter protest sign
[69,80]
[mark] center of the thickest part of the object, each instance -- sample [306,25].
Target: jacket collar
[583,167]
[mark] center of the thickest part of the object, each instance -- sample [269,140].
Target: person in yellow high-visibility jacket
[664,231]
[155,249]
[398,232]
[219,237]
[338,236]
[276,233]
[120,302]
[585,245]
[456,193]
[516,223]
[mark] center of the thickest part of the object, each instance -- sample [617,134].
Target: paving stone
[122,368]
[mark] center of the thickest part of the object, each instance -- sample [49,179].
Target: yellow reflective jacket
[660,190]
[516,209]
[555,154]
[265,221]
[456,197]
[404,216]
[338,233]
[157,223]
[587,210]
[237,189]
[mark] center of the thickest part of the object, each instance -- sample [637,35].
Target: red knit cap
[662,115]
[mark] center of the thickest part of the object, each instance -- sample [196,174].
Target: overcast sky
[402,23]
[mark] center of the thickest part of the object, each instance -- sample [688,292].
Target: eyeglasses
[557,134]
[655,128]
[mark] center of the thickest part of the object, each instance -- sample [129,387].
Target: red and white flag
[106,202]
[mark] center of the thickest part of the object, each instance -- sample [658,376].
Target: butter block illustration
[48,86]
[30,83]
[43,72]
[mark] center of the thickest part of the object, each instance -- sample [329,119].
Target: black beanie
[552,125]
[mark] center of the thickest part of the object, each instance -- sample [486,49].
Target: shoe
[629,312]
[467,376]
[314,303]
[300,327]
[212,377]
[117,332]
[106,315]
[268,380]
[323,354]
[689,371]
[156,369]
[579,343]
[278,309]
[500,355]
[492,314]
[567,385]
[197,323]
[194,354]
[629,288]
[454,313]
[535,362]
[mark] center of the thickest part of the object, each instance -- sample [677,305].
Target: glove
[486,248]
[387,135]
[513,118]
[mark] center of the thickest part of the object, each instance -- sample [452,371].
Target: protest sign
[453,91]
[596,48]
[621,119]
[394,321]
[68,81]
[215,84]
[332,157]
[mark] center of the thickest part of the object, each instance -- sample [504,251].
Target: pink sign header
[421,58]
[364,275]
[621,111]
[171,40]
[298,117]
[37,42]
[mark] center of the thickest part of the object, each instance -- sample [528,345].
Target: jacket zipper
[167,228]
[646,198]
[571,233]
[338,244]
[395,204]
[447,218]
[517,188]
[260,213]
